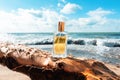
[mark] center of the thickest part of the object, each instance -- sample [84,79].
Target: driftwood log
[40,65]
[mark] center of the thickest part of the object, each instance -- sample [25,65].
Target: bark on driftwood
[40,65]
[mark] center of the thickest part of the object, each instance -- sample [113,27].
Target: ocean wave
[7,38]
[31,39]
[112,44]
[94,42]
[45,39]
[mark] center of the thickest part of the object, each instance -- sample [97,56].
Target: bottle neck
[61,27]
[60,31]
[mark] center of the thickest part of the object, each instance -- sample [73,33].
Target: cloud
[29,20]
[70,8]
[59,4]
[99,12]
[97,16]
[46,20]
[63,1]
[96,21]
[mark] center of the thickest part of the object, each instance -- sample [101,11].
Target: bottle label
[59,44]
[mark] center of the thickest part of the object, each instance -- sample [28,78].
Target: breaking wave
[105,49]
[42,39]
[94,42]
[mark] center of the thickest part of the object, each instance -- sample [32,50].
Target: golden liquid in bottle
[59,44]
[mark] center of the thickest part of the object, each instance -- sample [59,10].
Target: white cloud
[45,20]
[59,4]
[94,17]
[28,20]
[99,12]
[95,22]
[63,1]
[70,8]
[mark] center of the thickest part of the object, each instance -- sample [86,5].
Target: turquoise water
[104,35]
[99,46]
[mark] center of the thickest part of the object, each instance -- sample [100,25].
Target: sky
[44,15]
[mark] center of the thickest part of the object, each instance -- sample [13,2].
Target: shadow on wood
[36,73]
[40,65]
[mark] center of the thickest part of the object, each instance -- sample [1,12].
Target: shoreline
[29,60]
[87,52]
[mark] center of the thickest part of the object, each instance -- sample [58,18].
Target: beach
[7,74]
[104,48]
[59,40]
[104,54]
[100,46]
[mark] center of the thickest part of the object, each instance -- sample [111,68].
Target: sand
[7,74]
[114,68]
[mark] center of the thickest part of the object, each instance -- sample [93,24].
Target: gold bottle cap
[61,26]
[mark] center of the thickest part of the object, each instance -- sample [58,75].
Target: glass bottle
[60,42]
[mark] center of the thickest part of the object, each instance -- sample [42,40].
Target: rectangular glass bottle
[60,42]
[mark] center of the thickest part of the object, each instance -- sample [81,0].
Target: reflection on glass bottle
[60,42]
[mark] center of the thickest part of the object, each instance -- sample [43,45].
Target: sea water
[100,46]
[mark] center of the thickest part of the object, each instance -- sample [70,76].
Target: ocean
[100,46]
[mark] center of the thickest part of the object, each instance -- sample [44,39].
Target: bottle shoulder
[60,34]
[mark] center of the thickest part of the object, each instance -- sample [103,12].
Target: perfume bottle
[60,42]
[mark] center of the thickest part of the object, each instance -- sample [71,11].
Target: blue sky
[43,15]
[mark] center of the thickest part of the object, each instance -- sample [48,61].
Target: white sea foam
[36,40]
[105,49]
[7,38]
